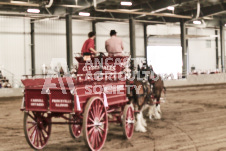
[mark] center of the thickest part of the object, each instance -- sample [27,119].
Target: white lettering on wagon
[108,68]
[61,103]
[107,89]
[37,102]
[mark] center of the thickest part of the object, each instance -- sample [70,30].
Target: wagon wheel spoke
[91,120]
[37,138]
[100,111]
[91,138]
[31,127]
[96,108]
[34,136]
[100,132]
[46,131]
[94,111]
[91,130]
[90,125]
[33,123]
[96,140]
[101,128]
[101,117]
[100,135]
[31,116]
[40,137]
[43,135]
[92,114]
[32,133]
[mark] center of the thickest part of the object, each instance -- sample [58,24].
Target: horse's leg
[143,121]
[138,126]
[151,112]
[157,109]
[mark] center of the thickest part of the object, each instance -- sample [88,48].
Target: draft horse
[157,87]
[139,94]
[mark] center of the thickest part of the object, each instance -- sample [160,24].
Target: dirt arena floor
[194,119]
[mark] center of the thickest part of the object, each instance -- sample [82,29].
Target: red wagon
[85,102]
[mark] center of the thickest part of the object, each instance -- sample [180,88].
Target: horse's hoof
[150,117]
[143,130]
[144,123]
[157,116]
[140,128]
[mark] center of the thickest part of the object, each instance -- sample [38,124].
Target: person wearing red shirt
[88,47]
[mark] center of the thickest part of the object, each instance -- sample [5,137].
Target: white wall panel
[14,46]
[161,32]
[50,42]
[200,55]
[168,29]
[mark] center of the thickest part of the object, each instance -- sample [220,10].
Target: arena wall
[195,80]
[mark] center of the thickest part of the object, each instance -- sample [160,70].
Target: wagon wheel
[128,121]
[75,129]
[37,129]
[95,123]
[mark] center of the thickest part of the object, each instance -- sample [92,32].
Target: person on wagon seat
[88,47]
[114,45]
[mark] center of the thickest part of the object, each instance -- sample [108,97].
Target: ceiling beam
[207,11]
[14,3]
[213,10]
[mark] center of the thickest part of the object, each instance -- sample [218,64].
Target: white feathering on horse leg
[143,121]
[151,112]
[159,109]
[157,115]
[138,126]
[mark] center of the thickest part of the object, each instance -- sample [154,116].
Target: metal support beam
[69,41]
[94,30]
[132,37]
[216,41]
[184,48]
[145,41]
[32,47]
[222,43]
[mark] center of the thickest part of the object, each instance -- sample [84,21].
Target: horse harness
[145,85]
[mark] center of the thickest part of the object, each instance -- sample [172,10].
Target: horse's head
[143,71]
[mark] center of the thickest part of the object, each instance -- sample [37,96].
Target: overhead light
[126,3]
[84,14]
[225,25]
[31,10]
[197,22]
[170,8]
